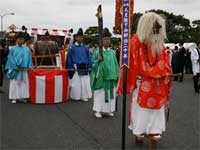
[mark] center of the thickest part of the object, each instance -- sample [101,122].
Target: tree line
[178,29]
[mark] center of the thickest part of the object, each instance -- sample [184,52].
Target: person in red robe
[147,79]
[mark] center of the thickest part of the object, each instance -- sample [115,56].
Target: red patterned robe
[155,86]
[149,86]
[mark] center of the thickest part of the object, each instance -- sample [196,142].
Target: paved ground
[72,126]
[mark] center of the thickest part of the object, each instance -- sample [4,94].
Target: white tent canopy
[189,46]
[54,32]
[170,45]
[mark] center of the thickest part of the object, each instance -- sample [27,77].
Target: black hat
[71,30]
[106,33]
[23,28]
[47,33]
[20,35]
[80,32]
[181,42]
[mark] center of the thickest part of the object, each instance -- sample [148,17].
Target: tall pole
[100,28]
[2,19]
[99,15]
[124,109]
[1,23]
[126,30]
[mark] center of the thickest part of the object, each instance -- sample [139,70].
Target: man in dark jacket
[182,54]
[175,62]
[3,57]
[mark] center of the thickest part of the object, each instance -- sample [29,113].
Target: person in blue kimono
[19,60]
[78,58]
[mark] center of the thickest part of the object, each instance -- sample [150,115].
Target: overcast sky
[65,14]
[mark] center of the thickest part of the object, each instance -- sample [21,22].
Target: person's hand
[75,67]
[166,105]
[158,77]
[89,70]
[100,58]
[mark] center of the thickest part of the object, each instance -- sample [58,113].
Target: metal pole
[1,23]
[124,109]
[2,19]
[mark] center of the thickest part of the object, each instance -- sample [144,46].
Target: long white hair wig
[146,34]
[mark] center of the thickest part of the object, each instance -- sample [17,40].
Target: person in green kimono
[104,78]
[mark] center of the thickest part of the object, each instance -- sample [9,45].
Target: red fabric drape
[118,15]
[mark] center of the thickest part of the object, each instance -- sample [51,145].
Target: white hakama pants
[146,121]
[80,87]
[19,89]
[99,101]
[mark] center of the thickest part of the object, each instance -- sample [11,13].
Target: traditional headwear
[20,35]
[23,28]
[146,25]
[106,33]
[26,35]
[71,30]
[181,42]
[47,33]
[80,32]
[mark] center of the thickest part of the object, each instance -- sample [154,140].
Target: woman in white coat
[195,58]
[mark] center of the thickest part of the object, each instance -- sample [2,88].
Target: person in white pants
[78,58]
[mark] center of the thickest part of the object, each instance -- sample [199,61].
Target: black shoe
[23,101]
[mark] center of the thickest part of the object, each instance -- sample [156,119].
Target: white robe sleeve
[195,63]
[194,56]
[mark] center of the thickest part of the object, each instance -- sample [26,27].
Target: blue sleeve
[89,58]
[9,64]
[69,63]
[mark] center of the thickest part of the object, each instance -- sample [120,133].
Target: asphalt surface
[72,125]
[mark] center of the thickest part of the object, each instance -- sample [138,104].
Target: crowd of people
[149,77]
[185,61]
